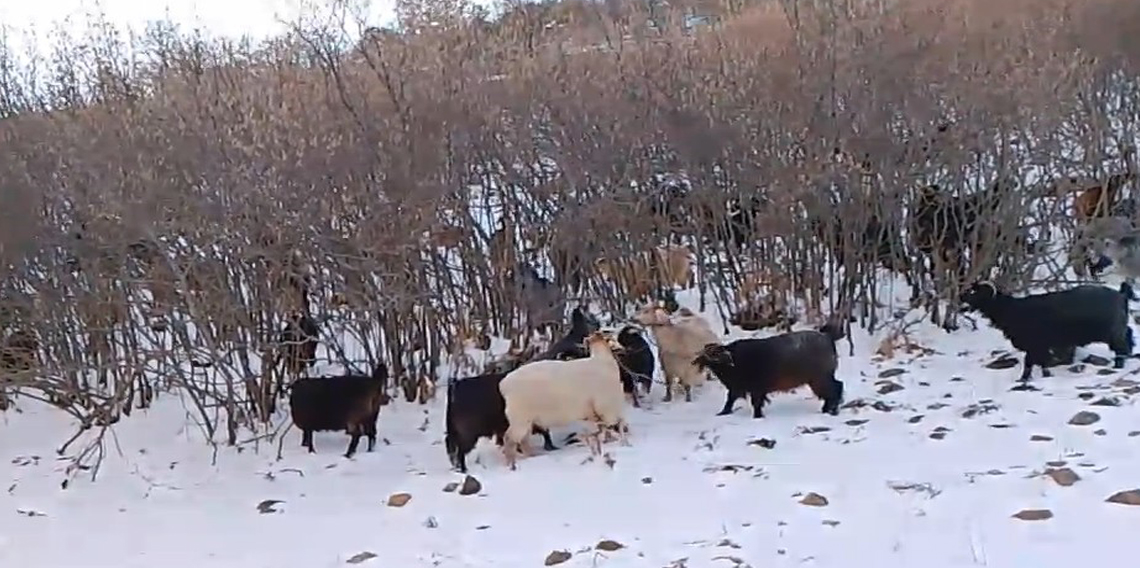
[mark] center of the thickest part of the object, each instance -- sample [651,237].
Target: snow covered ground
[925,466]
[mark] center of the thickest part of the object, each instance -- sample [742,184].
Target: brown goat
[1099,200]
[639,274]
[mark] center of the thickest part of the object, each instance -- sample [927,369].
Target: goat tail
[1127,291]
[832,330]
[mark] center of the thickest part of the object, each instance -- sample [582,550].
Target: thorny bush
[170,202]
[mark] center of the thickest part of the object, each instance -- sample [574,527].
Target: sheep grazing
[476,409]
[347,402]
[636,362]
[1048,326]
[781,363]
[678,340]
[550,394]
[572,345]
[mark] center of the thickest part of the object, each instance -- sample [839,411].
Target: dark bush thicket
[183,200]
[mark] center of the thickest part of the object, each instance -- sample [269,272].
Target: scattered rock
[813,429]
[1063,476]
[1122,382]
[557,557]
[814,500]
[891,373]
[1100,432]
[1040,438]
[1086,395]
[1001,426]
[361,557]
[1077,369]
[830,523]
[1105,372]
[431,523]
[1129,497]
[470,486]
[1024,387]
[30,513]
[979,408]
[857,422]
[1003,362]
[881,406]
[1056,463]
[451,487]
[1134,433]
[1033,514]
[766,443]
[1096,360]
[956,379]
[937,406]
[647,480]
[608,545]
[915,419]
[937,435]
[482,527]
[399,499]
[1084,418]
[888,387]
[1107,401]
[267,506]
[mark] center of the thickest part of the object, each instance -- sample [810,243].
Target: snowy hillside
[926,465]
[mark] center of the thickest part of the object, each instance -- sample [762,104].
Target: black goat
[346,402]
[759,367]
[1047,327]
[476,409]
[573,344]
[635,362]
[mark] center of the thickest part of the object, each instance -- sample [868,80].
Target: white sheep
[679,340]
[554,393]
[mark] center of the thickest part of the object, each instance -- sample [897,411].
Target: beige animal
[552,393]
[679,340]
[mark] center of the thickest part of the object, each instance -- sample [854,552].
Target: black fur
[476,409]
[759,367]
[1047,327]
[345,402]
[636,362]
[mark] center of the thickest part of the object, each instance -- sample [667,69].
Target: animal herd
[590,375]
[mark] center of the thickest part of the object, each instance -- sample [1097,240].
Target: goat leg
[547,443]
[1027,366]
[668,388]
[688,393]
[352,445]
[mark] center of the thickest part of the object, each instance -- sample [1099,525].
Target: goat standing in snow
[636,361]
[346,402]
[551,394]
[1043,325]
[572,345]
[678,340]
[759,367]
[476,409]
